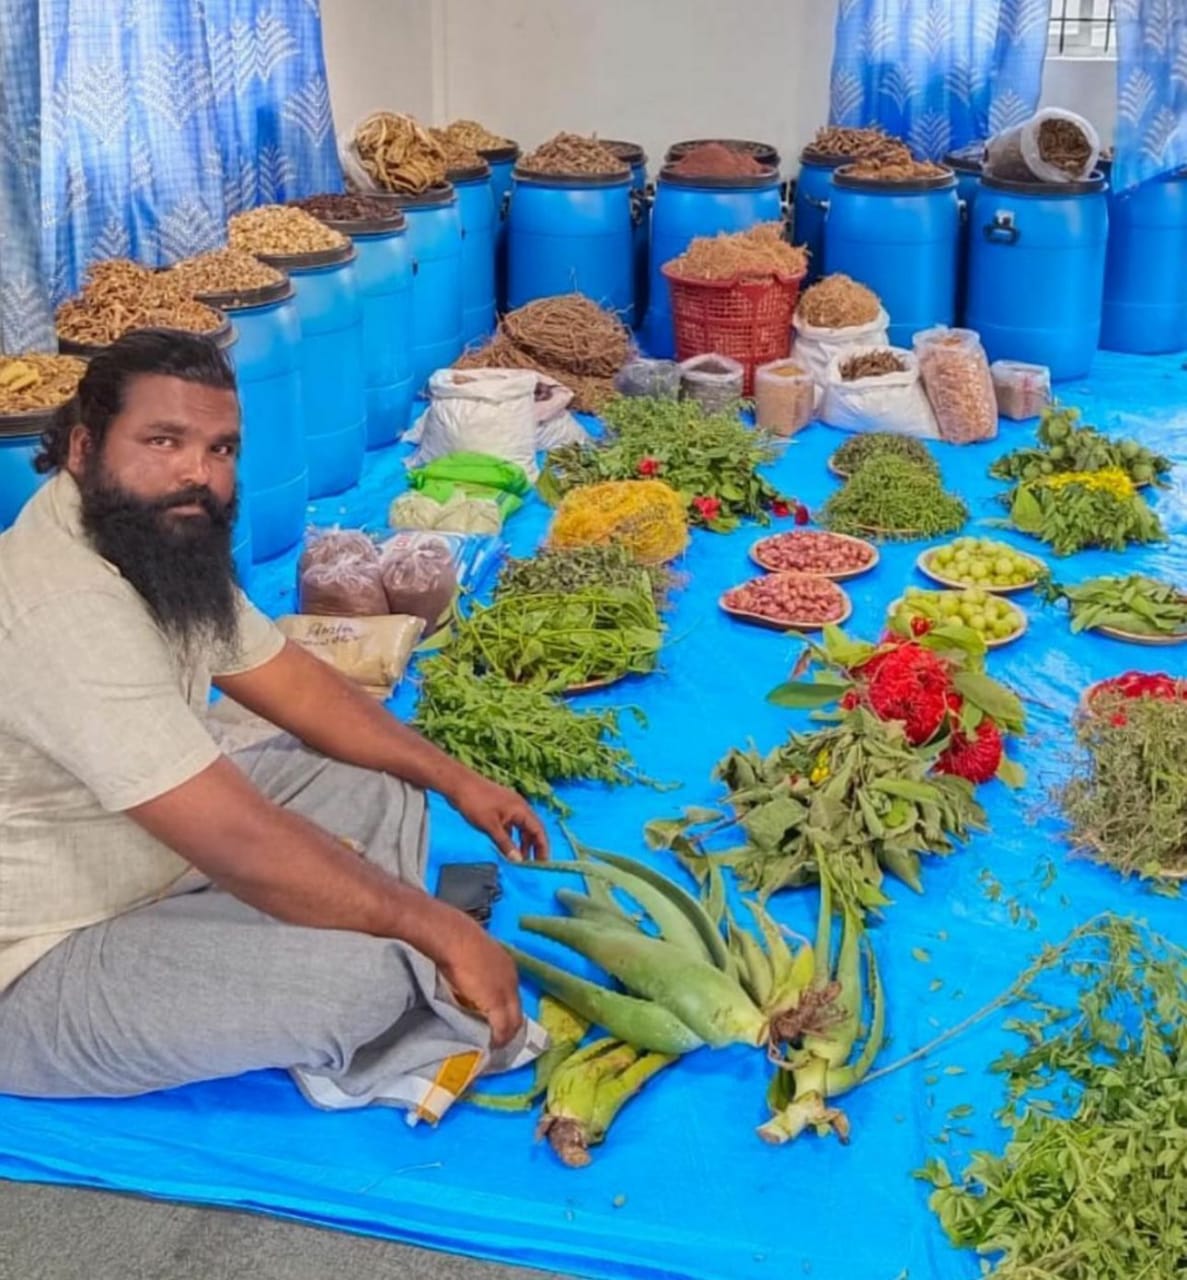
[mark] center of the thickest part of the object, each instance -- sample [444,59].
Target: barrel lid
[241,299]
[224,337]
[966,159]
[500,155]
[309,261]
[631,153]
[763,152]
[741,182]
[469,173]
[436,197]
[573,180]
[32,422]
[940,182]
[1088,186]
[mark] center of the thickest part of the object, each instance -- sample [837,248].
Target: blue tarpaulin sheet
[683,1187]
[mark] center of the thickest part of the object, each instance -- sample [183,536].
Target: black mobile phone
[470,886]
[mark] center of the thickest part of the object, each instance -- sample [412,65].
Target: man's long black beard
[182,566]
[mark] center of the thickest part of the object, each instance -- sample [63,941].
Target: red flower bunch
[976,758]
[708,508]
[649,467]
[909,683]
[1136,684]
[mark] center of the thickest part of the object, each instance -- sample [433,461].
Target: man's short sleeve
[259,641]
[87,680]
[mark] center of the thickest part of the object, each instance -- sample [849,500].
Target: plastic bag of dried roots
[955,373]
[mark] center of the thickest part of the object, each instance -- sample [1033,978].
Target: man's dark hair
[172,354]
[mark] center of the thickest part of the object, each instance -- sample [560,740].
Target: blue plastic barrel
[476,206]
[502,162]
[274,473]
[20,439]
[634,155]
[813,188]
[1145,298]
[1037,270]
[332,388]
[435,242]
[686,207]
[571,235]
[966,164]
[384,270]
[899,239]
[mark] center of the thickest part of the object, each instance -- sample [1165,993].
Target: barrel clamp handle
[1002,229]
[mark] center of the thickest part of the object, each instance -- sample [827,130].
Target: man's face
[158,500]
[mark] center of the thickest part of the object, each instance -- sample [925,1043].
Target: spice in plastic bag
[1023,390]
[784,397]
[372,652]
[655,379]
[714,382]
[955,373]
[419,576]
[338,576]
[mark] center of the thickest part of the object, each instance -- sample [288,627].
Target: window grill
[1083,28]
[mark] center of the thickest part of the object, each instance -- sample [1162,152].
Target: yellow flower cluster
[1111,479]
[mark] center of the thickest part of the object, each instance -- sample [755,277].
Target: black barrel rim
[33,422]
[224,337]
[437,197]
[824,159]
[744,182]
[468,173]
[631,153]
[905,186]
[968,159]
[571,180]
[500,155]
[763,152]
[320,258]
[264,295]
[1086,187]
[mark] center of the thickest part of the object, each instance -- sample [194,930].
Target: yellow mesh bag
[645,516]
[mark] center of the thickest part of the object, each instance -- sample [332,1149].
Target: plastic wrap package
[955,373]
[489,411]
[1052,146]
[371,652]
[714,382]
[893,402]
[338,575]
[1023,390]
[815,348]
[785,396]
[420,575]
[457,514]
[656,379]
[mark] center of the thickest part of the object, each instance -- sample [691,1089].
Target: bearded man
[170,914]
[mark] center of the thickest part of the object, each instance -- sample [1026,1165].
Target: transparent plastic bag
[1023,390]
[955,373]
[419,575]
[338,575]
[784,397]
[659,379]
[372,652]
[1022,154]
[714,382]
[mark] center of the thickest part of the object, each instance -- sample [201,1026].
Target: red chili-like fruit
[802,514]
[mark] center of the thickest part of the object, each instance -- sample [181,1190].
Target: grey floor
[52,1233]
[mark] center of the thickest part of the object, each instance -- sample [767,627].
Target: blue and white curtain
[155,120]
[1151,90]
[938,73]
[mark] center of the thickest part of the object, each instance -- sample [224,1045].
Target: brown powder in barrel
[332,207]
[1065,145]
[872,364]
[713,160]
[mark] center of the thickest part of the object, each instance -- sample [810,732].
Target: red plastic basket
[748,320]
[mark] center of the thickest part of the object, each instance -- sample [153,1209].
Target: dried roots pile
[120,296]
[458,154]
[894,168]
[1065,145]
[835,140]
[760,252]
[280,231]
[30,382]
[399,154]
[571,154]
[837,302]
[568,338]
[469,133]
[336,207]
[224,272]
[871,364]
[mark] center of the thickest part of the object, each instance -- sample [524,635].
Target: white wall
[651,71]
[1087,86]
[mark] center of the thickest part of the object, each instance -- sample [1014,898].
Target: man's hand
[483,978]
[504,815]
